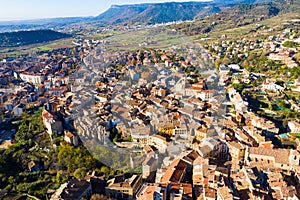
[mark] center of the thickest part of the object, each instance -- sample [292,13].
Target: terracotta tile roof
[147,193]
[200,160]
[47,115]
[236,145]
[187,189]
[175,171]
[205,150]
[160,137]
[210,192]
[208,91]
[191,156]
[69,134]
[223,191]
[280,155]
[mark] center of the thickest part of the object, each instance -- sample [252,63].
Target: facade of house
[201,133]
[237,150]
[36,79]
[206,95]
[8,105]
[272,87]
[52,123]
[19,109]
[294,127]
[237,100]
[71,138]
[159,142]
[124,189]
[149,166]
[273,158]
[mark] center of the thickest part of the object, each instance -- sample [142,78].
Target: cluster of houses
[272,44]
[156,103]
[227,170]
[140,111]
[57,118]
[31,81]
[258,166]
[237,161]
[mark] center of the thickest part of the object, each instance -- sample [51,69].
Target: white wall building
[36,79]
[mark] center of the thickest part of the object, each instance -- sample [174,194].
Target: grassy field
[118,40]
[24,50]
[246,30]
[146,38]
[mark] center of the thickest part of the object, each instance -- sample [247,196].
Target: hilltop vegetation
[20,38]
[117,14]
[158,12]
[169,12]
[237,16]
[243,11]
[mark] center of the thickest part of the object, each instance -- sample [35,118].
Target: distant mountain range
[167,12]
[135,13]
[164,12]
[155,13]
[229,13]
[36,24]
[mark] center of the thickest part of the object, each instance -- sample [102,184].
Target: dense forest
[20,38]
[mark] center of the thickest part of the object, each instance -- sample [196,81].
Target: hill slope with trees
[20,38]
[238,16]
[158,12]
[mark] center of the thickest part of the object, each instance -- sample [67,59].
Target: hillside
[20,38]
[133,13]
[237,16]
[117,14]
[157,12]
[168,12]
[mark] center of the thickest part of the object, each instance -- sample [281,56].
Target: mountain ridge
[167,11]
[142,13]
[147,13]
[156,12]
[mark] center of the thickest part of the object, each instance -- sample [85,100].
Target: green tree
[80,173]
[105,170]
[61,177]
[290,44]
[75,157]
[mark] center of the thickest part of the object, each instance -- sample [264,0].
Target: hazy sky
[33,9]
